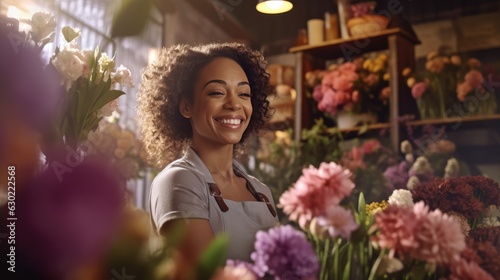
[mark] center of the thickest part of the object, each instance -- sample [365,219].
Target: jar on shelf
[301,37]
[331,26]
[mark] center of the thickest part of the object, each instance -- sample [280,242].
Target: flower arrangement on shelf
[406,236]
[357,88]
[88,80]
[451,85]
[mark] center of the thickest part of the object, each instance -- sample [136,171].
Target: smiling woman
[197,106]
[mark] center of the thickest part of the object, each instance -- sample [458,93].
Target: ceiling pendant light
[274,6]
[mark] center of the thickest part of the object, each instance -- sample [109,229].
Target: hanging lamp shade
[274,6]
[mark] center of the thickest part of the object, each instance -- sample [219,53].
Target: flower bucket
[346,120]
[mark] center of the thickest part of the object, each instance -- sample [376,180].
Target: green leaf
[104,99]
[131,18]
[212,258]
[361,207]
[70,34]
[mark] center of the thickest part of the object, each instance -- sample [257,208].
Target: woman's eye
[214,93]
[246,95]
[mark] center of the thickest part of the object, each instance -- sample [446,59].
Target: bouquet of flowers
[403,238]
[357,87]
[450,87]
[88,79]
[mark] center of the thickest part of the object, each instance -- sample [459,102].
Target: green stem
[376,265]
[347,270]
[336,252]
[324,259]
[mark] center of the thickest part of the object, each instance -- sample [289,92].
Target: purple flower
[397,175]
[284,252]
[67,223]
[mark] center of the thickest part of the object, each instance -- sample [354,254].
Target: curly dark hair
[165,132]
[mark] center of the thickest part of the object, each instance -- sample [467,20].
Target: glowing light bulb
[274,5]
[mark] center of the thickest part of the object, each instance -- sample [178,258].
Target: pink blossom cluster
[418,233]
[354,158]
[315,191]
[337,90]
[473,80]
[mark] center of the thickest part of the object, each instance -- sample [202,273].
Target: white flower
[406,147]
[43,27]
[412,182]
[409,158]
[123,76]
[451,169]
[421,166]
[106,63]
[401,198]
[490,222]
[69,64]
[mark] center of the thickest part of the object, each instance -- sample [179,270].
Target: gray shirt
[181,191]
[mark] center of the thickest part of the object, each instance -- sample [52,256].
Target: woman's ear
[184,108]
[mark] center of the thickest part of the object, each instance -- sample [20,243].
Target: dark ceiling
[271,29]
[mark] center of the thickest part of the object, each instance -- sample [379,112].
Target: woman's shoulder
[178,173]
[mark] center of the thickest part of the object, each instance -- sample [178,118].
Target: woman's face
[221,107]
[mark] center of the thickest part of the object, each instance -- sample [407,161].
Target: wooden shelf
[448,121]
[455,120]
[368,127]
[338,47]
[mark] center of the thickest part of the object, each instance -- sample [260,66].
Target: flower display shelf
[401,47]
[473,120]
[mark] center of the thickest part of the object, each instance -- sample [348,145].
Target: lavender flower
[284,251]
[397,175]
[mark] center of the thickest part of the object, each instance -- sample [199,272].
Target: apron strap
[216,193]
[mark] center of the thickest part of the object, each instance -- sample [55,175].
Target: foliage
[280,160]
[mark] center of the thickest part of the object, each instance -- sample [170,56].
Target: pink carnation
[342,83]
[439,237]
[474,78]
[328,103]
[418,90]
[314,191]
[233,272]
[463,90]
[339,222]
[396,230]
[371,146]
[317,93]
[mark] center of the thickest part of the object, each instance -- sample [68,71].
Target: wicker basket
[366,25]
